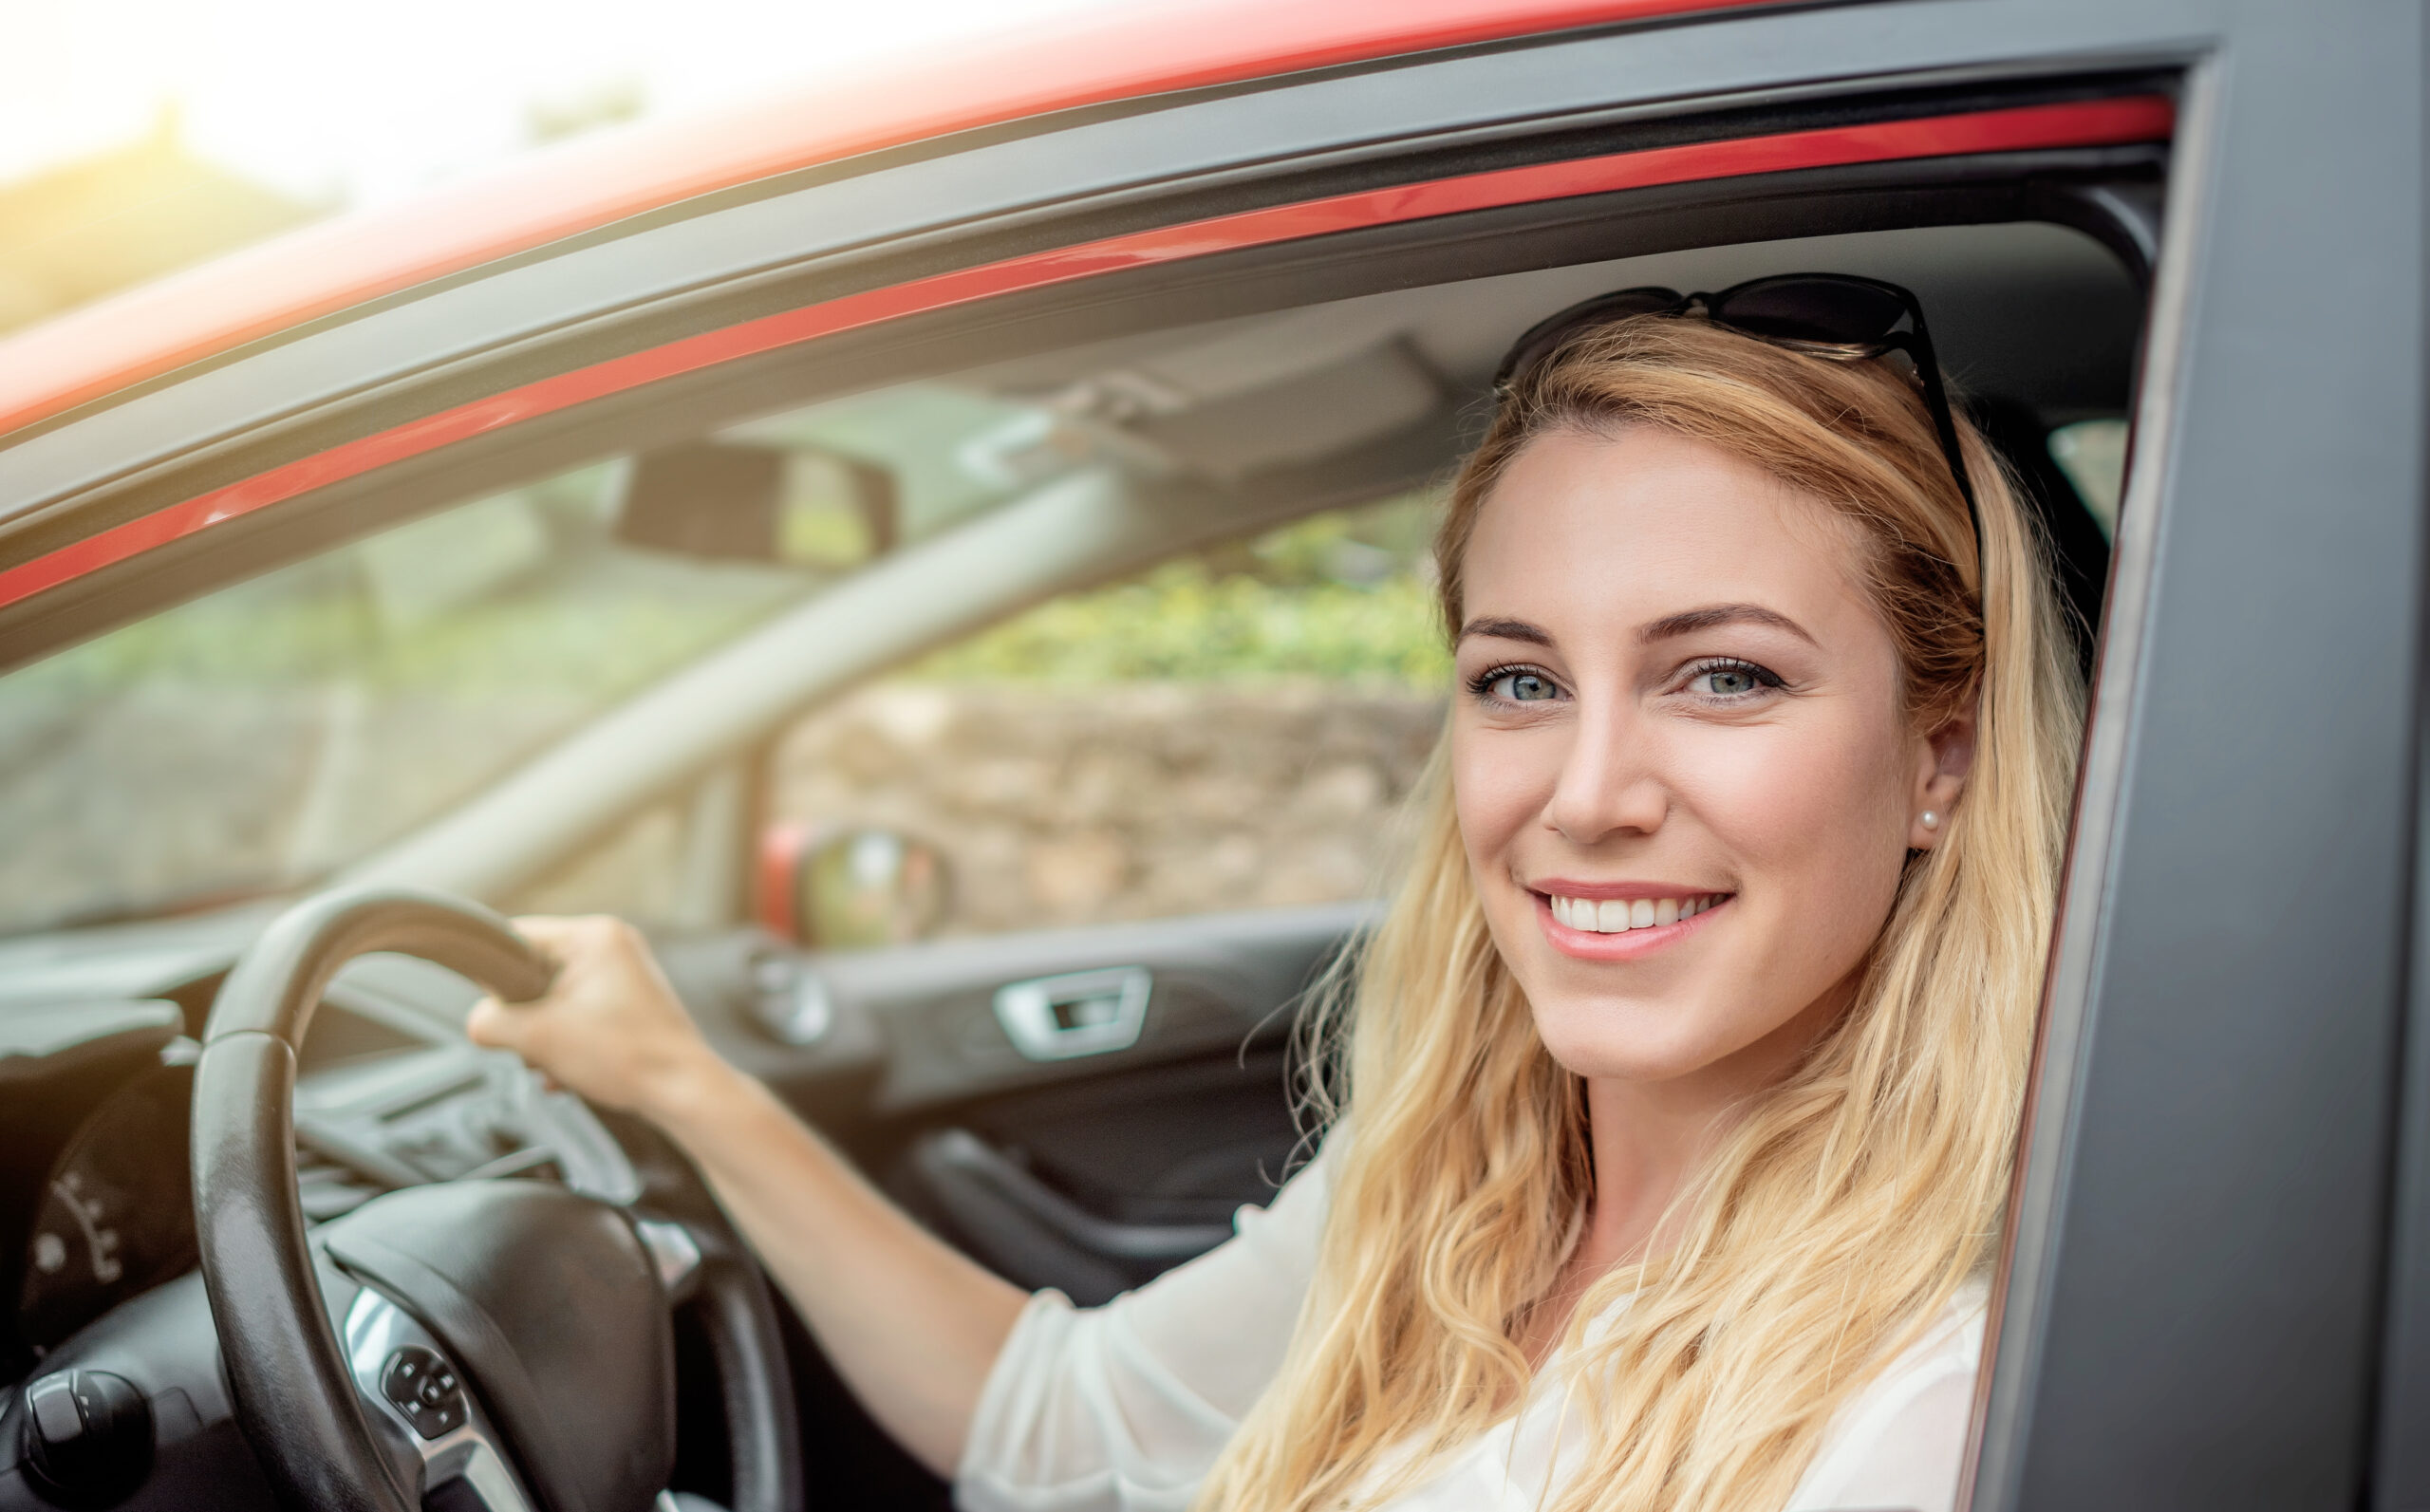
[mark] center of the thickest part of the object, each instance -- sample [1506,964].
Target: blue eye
[1730,680]
[1515,684]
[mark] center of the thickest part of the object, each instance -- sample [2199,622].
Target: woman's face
[1683,775]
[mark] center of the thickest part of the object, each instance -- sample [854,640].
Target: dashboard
[96,1204]
[116,1214]
[902,1053]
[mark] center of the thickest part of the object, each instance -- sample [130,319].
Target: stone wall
[1068,806]
[1052,804]
[164,791]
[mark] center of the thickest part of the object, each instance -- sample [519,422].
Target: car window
[1230,730]
[1234,728]
[2093,454]
[268,734]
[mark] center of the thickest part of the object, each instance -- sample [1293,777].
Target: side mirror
[847,890]
[786,506]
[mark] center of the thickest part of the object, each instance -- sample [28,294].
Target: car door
[2191,1312]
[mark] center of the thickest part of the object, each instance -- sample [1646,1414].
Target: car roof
[1094,60]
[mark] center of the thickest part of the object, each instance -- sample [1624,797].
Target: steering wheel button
[406,1375]
[433,1390]
[52,1404]
[430,1422]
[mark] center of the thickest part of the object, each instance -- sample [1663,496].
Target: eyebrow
[1713,616]
[1506,631]
[1687,621]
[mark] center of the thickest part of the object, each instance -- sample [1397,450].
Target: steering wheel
[511,1335]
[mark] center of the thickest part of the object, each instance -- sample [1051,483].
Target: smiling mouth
[1613,916]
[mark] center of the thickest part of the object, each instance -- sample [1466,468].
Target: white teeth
[1612,916]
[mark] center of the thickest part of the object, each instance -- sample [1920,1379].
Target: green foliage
[1341,597]
[593,647]
[1344,596]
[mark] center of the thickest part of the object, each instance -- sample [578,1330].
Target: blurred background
[140,135]
[1230,730]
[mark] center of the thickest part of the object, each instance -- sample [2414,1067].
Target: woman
[1681,1082]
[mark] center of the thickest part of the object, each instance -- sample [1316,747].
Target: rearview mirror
[851,888]
[785,506]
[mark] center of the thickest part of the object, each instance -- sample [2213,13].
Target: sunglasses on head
[1838,317]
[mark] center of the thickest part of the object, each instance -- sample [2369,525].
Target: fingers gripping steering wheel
[511,1335]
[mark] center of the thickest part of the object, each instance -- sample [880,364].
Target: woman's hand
[914,1326]
[609,1027]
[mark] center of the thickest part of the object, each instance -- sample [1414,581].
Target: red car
[418,558]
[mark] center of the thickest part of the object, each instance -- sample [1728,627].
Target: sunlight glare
[358,104]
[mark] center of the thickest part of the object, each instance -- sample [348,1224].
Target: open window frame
[2217,1287]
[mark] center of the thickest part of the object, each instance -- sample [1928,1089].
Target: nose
[1609,784]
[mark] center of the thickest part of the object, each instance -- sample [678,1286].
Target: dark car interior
[1080,1108]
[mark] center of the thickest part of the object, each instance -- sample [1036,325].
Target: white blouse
[1124,1408]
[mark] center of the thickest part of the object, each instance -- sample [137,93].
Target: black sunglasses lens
[1857,315]
[1811,309]
[1548,333]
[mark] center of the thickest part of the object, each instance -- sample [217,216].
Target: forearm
[912,1325]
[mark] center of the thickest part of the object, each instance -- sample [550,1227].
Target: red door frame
[2078,124]
[1044,68]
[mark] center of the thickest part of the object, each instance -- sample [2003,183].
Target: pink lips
[1587,945]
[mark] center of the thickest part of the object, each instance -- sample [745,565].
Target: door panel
[1097,1186]
[1092,1173]
[2190,1308]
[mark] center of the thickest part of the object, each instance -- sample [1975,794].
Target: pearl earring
[1931,820]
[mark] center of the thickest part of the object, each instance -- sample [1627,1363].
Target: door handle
[1080,1013]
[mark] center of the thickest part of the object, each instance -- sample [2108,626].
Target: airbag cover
[553,1311]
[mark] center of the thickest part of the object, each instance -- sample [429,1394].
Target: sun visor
[1294,419]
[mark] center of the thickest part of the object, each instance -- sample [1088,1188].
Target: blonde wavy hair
[1842,1212]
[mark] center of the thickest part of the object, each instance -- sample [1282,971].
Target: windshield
[263,737]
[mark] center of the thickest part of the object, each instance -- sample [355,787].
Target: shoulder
[1306,1194]
[1278,1239]
[1222,1320]
[1142,1394]
[1901,1441]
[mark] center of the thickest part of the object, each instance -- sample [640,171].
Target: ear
[1941,767]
